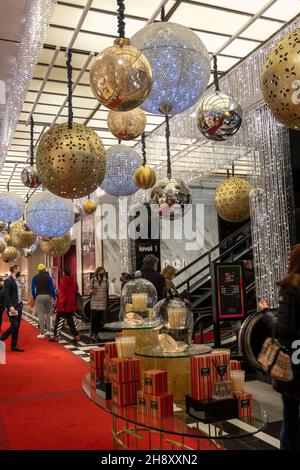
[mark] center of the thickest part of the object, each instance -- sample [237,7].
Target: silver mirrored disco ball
[219,116]
[172,196]
[30,177]
[180,66]
[121,163]
[49,215]
[11,206]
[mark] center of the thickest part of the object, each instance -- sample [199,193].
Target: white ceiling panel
[92,42]
[108,24]
[261,29]
[66,16]
[240,47]
[248,6]
[284,10]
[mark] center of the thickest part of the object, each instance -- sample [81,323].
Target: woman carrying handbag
[285,326]
[99,294]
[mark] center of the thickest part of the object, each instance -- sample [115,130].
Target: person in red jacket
[66,306]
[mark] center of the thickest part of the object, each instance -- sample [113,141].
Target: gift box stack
[154,399]
[110,353]
[235,365]
[97,356]
[126,380]
[245,403]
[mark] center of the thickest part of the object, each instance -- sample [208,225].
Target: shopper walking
[13,303]
[2,302]
[42,290]
[99,294]
[66,306]
[286,327]
[149,272]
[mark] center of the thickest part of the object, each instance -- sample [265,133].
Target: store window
[88,251]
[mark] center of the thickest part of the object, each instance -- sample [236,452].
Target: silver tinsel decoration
[11,206]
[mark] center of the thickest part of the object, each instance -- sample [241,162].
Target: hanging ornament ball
[121,76]
[71,162]
[78,213]
[232,199]
[144,177]
[7,239]
[2,246]
[219,116]
[280,81]
[48,215]
[11,206]
[57,246]
[171,195]
[27,252]
[180,66]
[127,125]
[30,177]
[121,164]
[89,207]
[21,235]
[3,226]
[10,254]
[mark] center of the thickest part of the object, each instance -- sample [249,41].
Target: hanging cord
[232,170]
[119,141]
[228,174]
[169,170]
[216,78]
[121,18]
[69,71]
[163,14]
[143,141]
[8,187]
[31,141]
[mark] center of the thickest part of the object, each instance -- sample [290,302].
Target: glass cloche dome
[176,334]
[138,298]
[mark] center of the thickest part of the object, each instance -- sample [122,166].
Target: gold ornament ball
[10,254]
[232,200]
[2,226]
[21,236]
[2,246]
[121,76]
[127,125]
[144,177]
[89,207]
[57,246]
[71,162]
[7,239]
[280,80]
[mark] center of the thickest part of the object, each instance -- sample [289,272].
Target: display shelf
[156,352]
[123,325]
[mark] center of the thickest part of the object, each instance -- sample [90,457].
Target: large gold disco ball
[21,235]
[71,162]
[121,76]
[144,177]
[232,200]
[280,81]
[89,207]
[127,125]
[2,246]
[57,246]
[10,254]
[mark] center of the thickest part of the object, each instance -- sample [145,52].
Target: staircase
[195,277]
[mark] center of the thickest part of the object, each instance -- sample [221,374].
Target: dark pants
[13,329]
[60,320]
[290,430]
[97,320]
[1,316]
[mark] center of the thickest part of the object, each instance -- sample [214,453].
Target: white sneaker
[40,336]
[48,333]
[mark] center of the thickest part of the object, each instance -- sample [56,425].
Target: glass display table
[134,430]
[145,334]
[177,366]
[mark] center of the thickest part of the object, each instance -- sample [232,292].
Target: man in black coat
[13,303]
[149,272]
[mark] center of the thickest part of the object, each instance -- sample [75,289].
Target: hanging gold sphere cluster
[280,81]
[21,235]
[232,199]
[57,246]
[10,254]
[89,207]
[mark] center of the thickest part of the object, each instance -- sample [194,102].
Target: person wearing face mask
[99,294]
[13,303]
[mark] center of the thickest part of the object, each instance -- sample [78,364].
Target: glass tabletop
[183,424]
[123,325]
[193,350]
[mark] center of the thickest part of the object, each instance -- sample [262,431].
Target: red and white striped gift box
[220,366]
[155,382]
[245,403]
[235,365]
[125,370]
[201,377]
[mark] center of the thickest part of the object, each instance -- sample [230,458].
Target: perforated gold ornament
[21,236]
[127,125]
[144,177]
[10,254]
[280,81]
[232,200]
[57,246]
[89,207]
[121,76]
[2,246]
[71,162]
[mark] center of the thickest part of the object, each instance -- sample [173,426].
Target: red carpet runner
[42,404]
